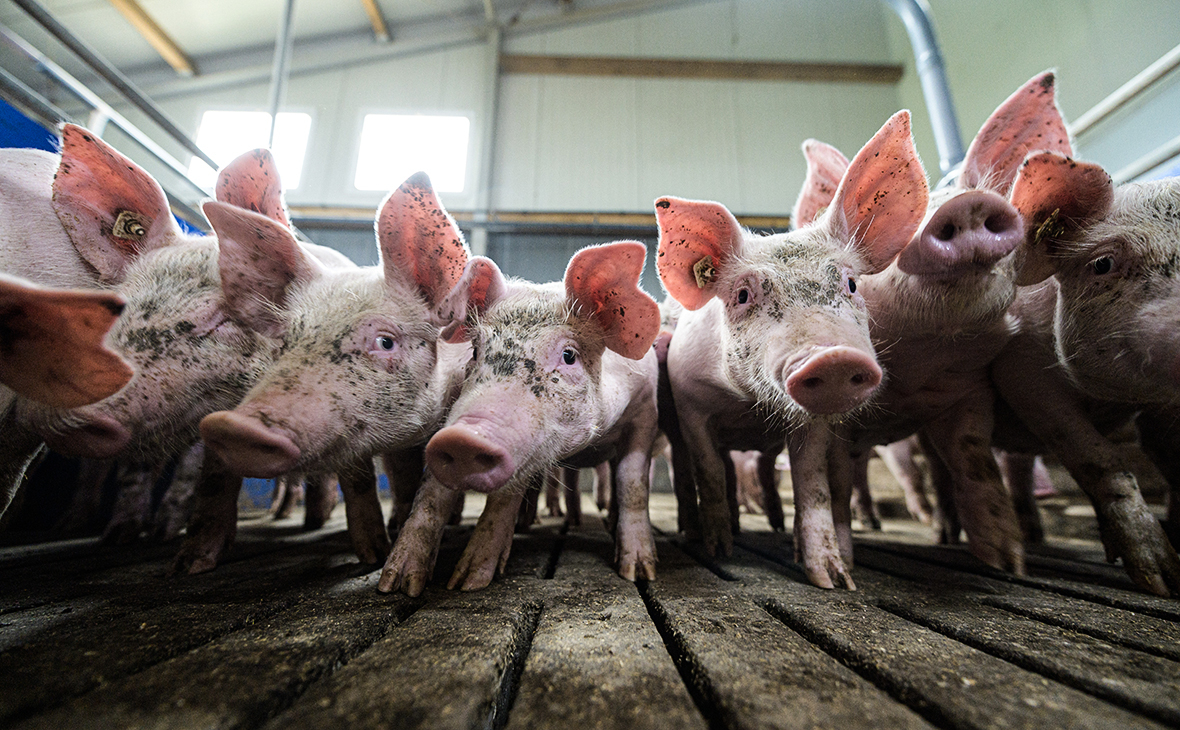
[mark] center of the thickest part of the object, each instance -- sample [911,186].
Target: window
[395,146]
[224,135]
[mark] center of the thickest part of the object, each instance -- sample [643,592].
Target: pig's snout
[833,380]
[248,446]
[101,437]
[970,232]
[460,458]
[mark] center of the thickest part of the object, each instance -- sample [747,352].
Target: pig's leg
[133,503]
[1018,472]
[635,550]
[319,499]
[288,492]
[553,493]
[177,503]
[404,471]
[362,509]
[688,516]
[87,500]
[962,438]
[573,496]
[19,447]
[947,525]
[899,460]
[412,559]
[527,513]
[602,485]
[731,492]
[214,523]
[816,543]
[491,542]
[768,481]
[862,498]
[708,474]
[842,466]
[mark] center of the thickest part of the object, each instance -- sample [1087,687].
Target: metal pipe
[1151,160]
[1128,91]
[487,173]
[112,75]
[281,68]
[16,90]
[915,14]
[90,98]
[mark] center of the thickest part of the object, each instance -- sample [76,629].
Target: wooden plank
[954,683]
[249,675]
[377,20]
[452,664]
[752,670]
[159,39]
[679,68]
[596,659]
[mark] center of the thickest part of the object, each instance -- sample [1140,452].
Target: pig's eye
[1103,265]
[384,343]
[743,295]
[569,356]
[851,285]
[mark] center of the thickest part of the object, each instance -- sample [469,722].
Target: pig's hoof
[472,577]
[372,549]
[828,572]
[1136,535]
[718,537]
[192,564]
[409,581]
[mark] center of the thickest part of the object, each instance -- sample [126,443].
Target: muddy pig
[774,343]
[559,372]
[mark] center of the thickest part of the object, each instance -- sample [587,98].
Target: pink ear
[882,198]
[1027,121]
[825,167]
[420,242]
[1057,197]
[252,182]
[696,240]
[258,260]
[111,209]
[51,344]
[481,285]
[603,282]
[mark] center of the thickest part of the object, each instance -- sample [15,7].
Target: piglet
[561,372]
[775,344]
[1097,340]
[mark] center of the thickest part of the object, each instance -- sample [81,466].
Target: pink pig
[559,372]
[1097,341]
[774,344]
[939,319]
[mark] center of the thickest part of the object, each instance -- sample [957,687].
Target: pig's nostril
[487,461]
[813,383]
[946,232]
[858,379]
[998,223]
[445,458]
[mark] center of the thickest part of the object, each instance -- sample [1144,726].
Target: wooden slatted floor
[290,632]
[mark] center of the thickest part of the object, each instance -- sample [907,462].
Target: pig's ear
[602,282]
[825,167]
[1028,121]
[420,243]
[882,197]
[51,344]
[1057,197]
[481,285]
[111,209]
[697,239]
[258,260]
[252,182]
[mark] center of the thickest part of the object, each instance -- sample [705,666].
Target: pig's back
[33,244]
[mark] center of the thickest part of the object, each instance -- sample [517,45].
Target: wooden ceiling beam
[156,36]
[377,20]
[865,73]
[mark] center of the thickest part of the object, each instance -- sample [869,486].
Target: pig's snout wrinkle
[248,446]
[101,437]
[971,231]
[833,380]
[461,458]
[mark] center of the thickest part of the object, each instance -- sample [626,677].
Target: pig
[1096,339]
[561,372]
[938,318]
[51,344]
[774,343]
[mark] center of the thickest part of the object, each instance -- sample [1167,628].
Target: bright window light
[224,135]
[395,146]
